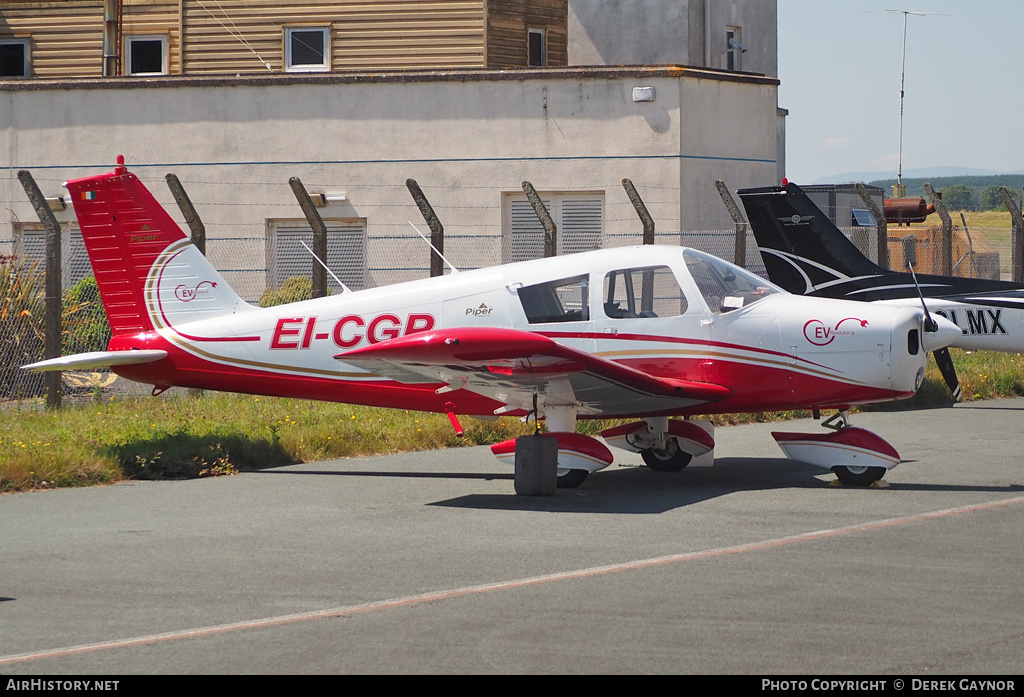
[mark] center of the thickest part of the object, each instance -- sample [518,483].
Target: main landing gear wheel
[570,479]
[671,459]
[858,476]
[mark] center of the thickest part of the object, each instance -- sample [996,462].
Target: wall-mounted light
[643,94]
[733,43]
[321,200]
[56,203]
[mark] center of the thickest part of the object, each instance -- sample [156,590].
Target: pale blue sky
[839,67]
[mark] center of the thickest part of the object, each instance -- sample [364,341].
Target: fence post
[1016,237]
[947,231]
[52,311]
[739,254]
[319,276]
[641,210]
[647,278]
[550,229]
[436,228]
[881,225]
[189,211]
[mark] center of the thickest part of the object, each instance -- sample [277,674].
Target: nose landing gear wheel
[570,479]
[671,459]
[852,475]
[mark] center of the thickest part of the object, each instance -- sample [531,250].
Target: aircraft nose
[944,335]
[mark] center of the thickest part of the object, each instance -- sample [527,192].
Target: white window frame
[26,63]
[321,67]
[732,55]
[346,252]
[543,47]
[574,214]
[129,42]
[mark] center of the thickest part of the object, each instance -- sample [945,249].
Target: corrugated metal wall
[226,37]
[66,37]
[508,22]
[154,17]
[231,36]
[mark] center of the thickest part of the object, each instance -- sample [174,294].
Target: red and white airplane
[648,332]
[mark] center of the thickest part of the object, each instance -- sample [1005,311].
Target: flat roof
[399,76]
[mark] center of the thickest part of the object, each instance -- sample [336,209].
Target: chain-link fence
[249,265]
[982,252]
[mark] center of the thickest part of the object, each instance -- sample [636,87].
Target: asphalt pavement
[429,563]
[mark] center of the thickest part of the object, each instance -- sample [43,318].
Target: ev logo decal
[186,294]
[819,334]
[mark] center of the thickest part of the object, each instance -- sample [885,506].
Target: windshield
[726,287]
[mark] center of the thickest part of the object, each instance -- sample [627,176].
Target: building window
[733,48]
[306,49]
[146,55]
[579,219]
[862,217]
[346,253]
[14,58]
[538,48]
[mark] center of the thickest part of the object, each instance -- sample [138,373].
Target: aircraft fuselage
[774,350]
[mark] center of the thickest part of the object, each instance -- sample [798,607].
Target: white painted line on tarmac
[408,600]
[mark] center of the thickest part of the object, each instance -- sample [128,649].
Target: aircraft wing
[511,366]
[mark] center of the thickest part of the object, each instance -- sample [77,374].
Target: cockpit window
[564,300]
[650,291]
[725,287]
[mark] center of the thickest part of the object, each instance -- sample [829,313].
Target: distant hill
[915,185]
[925,173]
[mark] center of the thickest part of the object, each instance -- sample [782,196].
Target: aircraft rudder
[129,237]
[798,242]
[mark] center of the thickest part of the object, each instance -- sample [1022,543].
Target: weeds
[218,434]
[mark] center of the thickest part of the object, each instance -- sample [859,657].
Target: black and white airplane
[805,253]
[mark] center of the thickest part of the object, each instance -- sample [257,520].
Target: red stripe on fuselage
[764,388]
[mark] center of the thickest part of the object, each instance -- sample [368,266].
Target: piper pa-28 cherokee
[805,253]
[641,332]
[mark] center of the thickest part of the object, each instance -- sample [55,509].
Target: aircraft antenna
[899,191]
[320,261]
[234,31]
[427,240]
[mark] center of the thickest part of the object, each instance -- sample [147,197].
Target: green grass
[216,433]
[188,436]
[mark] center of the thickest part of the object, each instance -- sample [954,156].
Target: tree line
[969,193]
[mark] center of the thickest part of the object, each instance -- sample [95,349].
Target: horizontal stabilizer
[97,359]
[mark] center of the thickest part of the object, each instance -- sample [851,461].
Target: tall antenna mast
[899,190]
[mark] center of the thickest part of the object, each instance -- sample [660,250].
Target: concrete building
[469,136]
[734,35]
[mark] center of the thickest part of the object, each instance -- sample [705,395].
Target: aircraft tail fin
[801,248]
[148,272]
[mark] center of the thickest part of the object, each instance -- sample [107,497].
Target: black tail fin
[802,249]
[805,253]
